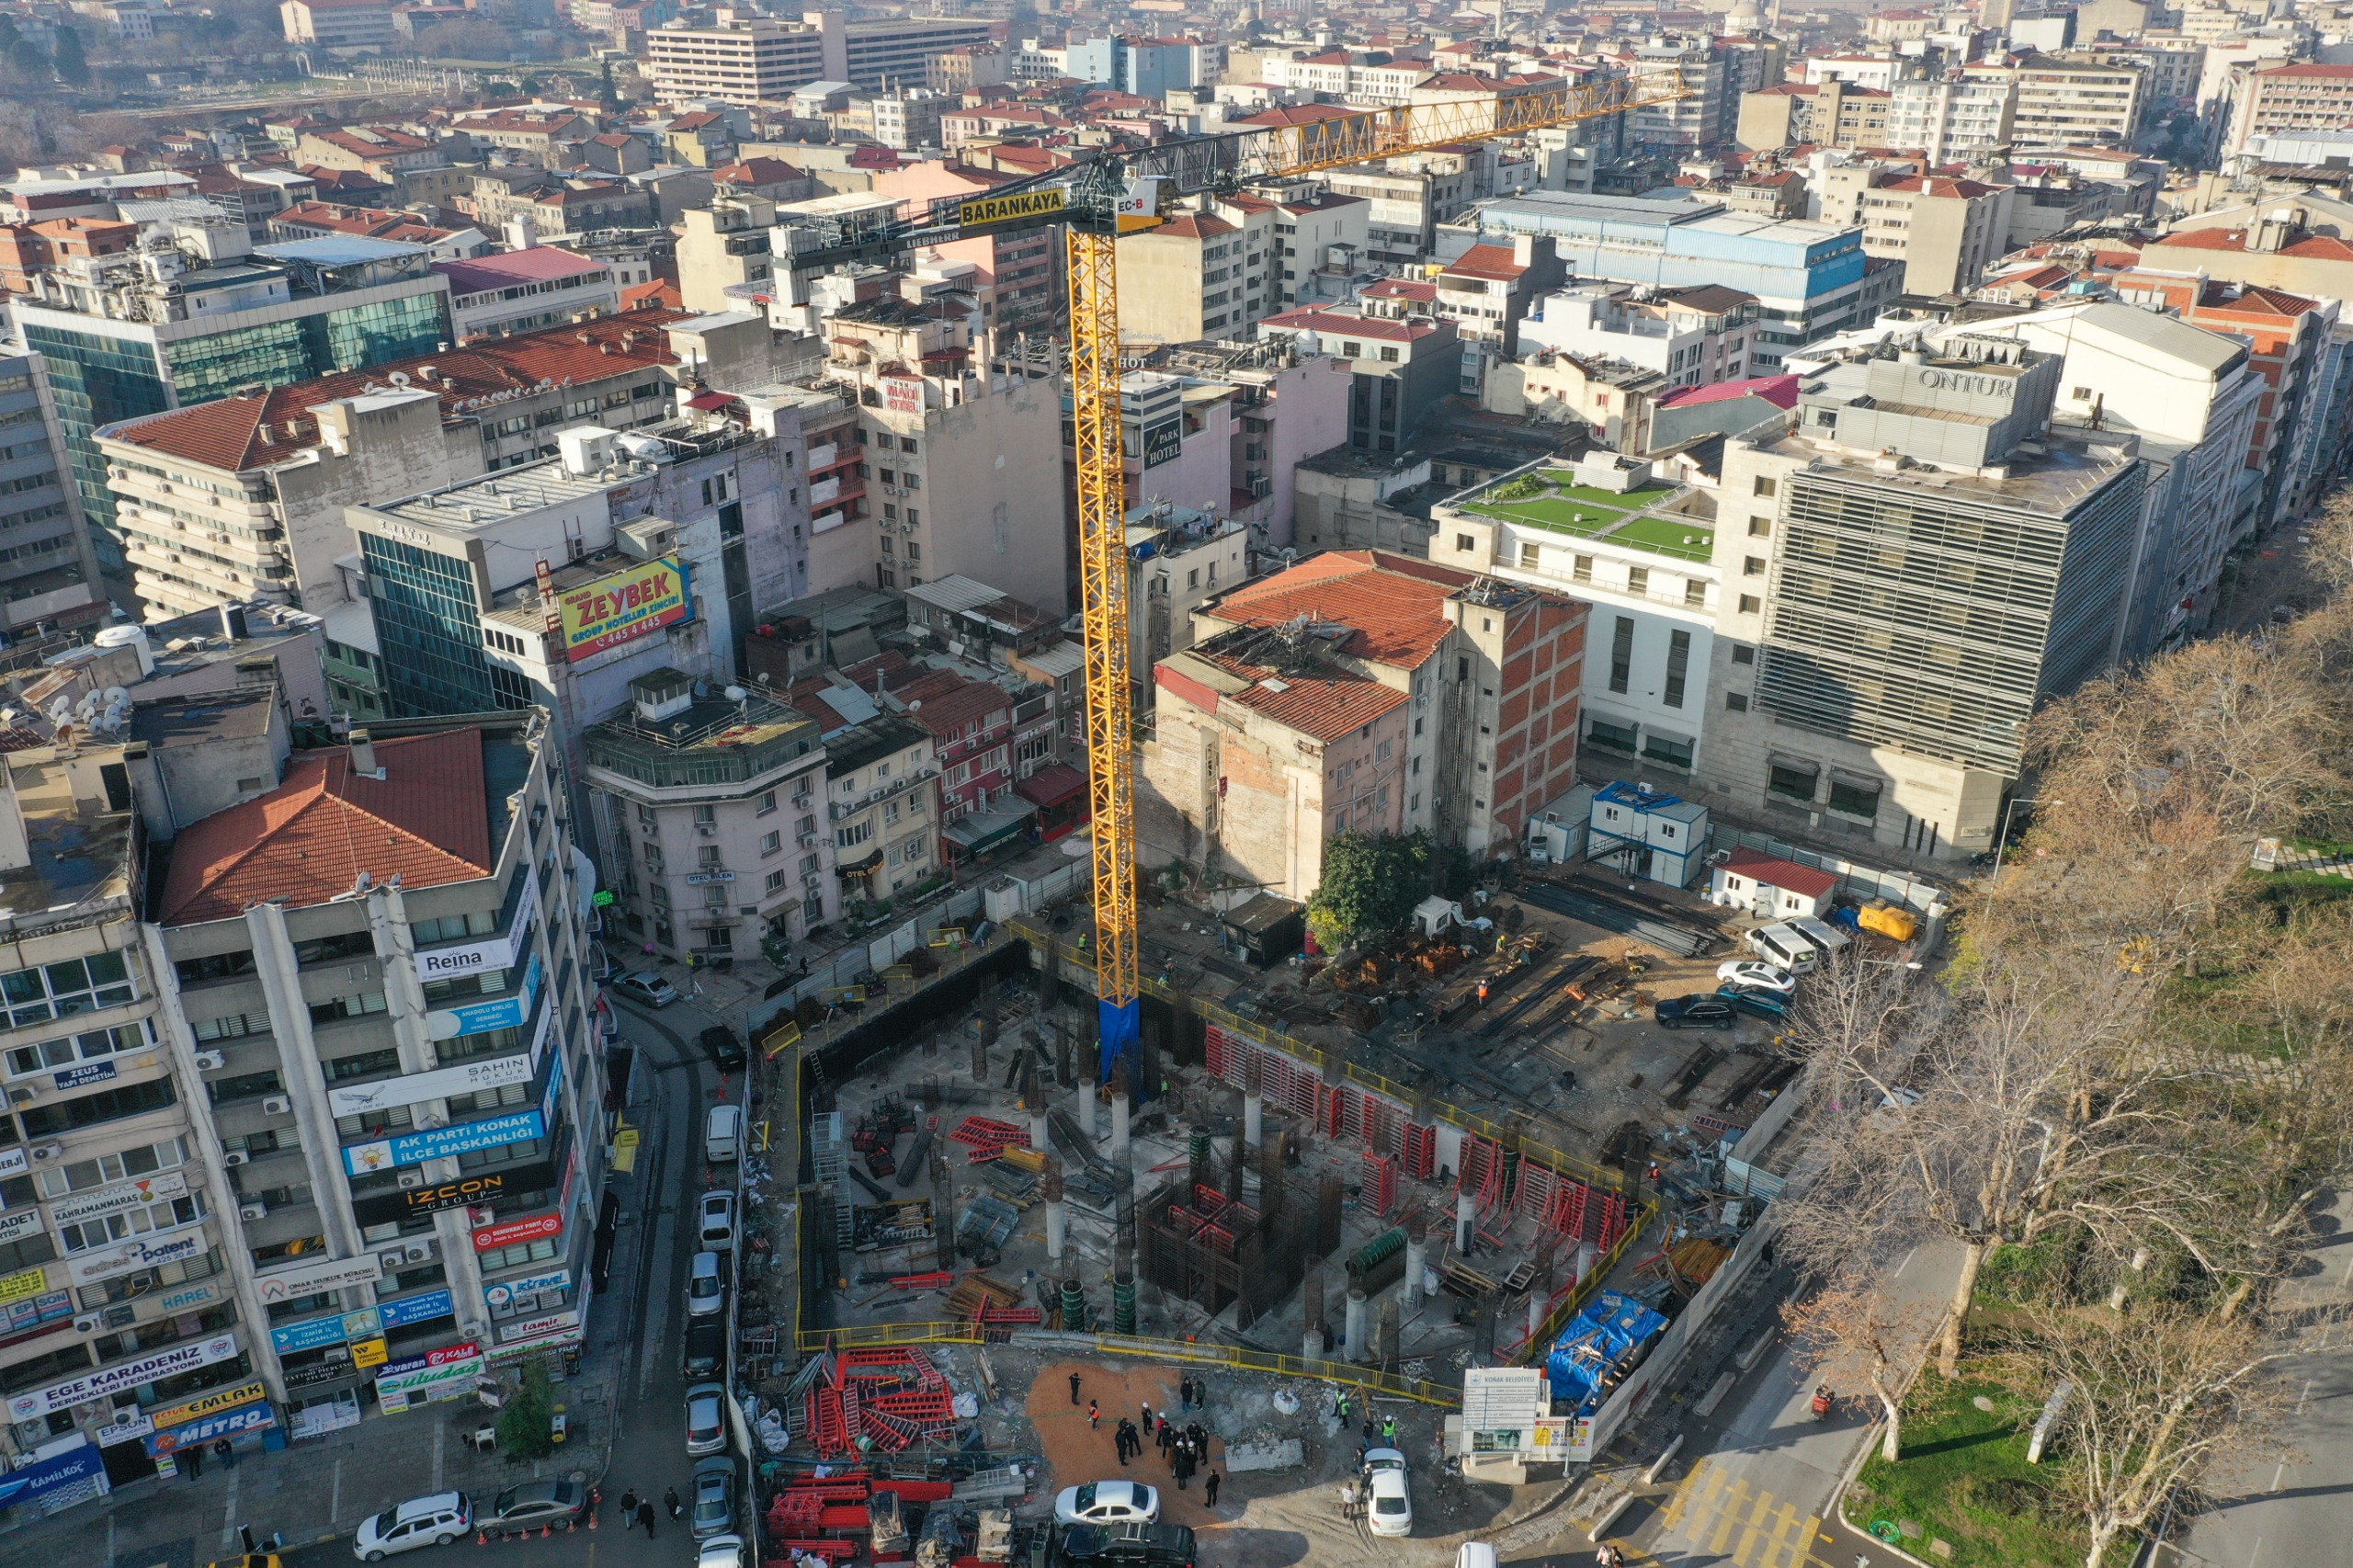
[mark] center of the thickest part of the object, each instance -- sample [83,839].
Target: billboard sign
[626,604]
[414,1148]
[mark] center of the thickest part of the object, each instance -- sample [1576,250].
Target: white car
[1390,1507]
[1752,975]
[647,987]
[706,1287]
[1107,1503]
[421,1521]
[716,1231]
[721,1551]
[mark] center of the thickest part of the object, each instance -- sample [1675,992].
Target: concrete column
[1057,1228]
[1086,1106]
[1254,1119]
[1119,1126]
[1535,1312]
[1466,1222]
[1586,1253]
[1417,1260]
[1360,1336]
[1041,1135]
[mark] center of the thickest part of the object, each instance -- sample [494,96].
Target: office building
[160,327]
[1909,572]
[377,986]
[2064,101]
[339,23]
[49,565]
[1401,360]
[523,291]
[1960,117]
[743,58]
[2289,100]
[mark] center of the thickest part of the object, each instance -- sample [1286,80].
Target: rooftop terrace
[1638,518]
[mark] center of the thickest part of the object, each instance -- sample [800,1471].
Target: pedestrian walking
[1184,1393]
[1208,1489]
[1389,1430]
[645,1516]
[629,1507]
[194,1454]
[1074,1388]
[1094,1415]
[670,1501]
[226,1452]
[1184,1470]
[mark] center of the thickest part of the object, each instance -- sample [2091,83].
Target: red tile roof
[1321,321]
[1298,114]
[1326,708]
[944,702]
[1196,226]
[2330,73]
[238,433]
[1402,289]
[427,821]
[506,269]
[1774,872]
[1781,392]
[1391,603]
[1486,261]
[2316,247]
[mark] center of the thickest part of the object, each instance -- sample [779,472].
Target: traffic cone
[482,1538]
[547,1532]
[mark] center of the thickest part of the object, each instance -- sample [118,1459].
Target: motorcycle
[1822,1403]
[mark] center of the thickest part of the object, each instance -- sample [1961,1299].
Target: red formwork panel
[1419,1154]
[1380,1184]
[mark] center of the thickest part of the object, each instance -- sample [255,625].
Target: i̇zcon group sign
[612,610]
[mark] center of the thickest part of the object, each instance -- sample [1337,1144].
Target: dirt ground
[1272,1519]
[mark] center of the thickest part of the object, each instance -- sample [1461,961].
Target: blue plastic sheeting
[1123,1029]
[1609,1329]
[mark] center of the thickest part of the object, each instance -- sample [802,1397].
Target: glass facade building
[428,623]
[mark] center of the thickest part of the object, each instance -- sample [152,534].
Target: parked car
[714,1505]
[1389,1508]
[706,1419]
[706,1352]
[1130,1546]
[1107,1503]
[706,1285]
[721,1551]
[722,1134]
[436,1520]
[1782,946]
[1754,974]
[645,986]
[717,1230]
[1769,1005]
[534,1504]
[1700,1010]
[725,1051]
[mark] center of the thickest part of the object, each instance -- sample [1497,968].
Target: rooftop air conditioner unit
[391,1262]
[89,1322]
[251,1209]
[277,1105]
[418,1252]
[411,1179]
[708,830]
[211,1061]
[808,841]
[234,1156]
[48,1152]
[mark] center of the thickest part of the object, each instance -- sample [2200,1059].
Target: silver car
[706,1418]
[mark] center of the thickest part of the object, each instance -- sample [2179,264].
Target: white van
[1822,935]
[1782,943]
[722,1134]
[1474,1554]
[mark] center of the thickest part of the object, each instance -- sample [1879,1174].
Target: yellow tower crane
[1095,201]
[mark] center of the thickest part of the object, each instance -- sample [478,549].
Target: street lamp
[2002,840]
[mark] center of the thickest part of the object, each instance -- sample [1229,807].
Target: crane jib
[983,210]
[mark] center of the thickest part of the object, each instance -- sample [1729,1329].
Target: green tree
[71,68]
[1371,881]
[523,1425]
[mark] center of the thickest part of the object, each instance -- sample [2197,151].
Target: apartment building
[1488,289]
[1634,551]
[881,802]
[1198,275]
[1960,117]
[1921,561]
[339,23]
[957,453]
[162,327]
[1825,114]
[743,58]
[1179,560]
[1693,337]
[1319,236]
[1285,407]
[1359,691]
[115,1241]
[2068,102]
[1400,361]
[242,497]
[1407,198]
[375,982]
[524,290]
[1705,118]
[708,806]
[1946,232]
[49,565]
[2289,100]
[1019,274]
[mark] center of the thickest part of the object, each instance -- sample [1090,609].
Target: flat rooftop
[81,851]
[1639,518]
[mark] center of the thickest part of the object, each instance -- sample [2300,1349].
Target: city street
[2291,1511]
[1755,1477]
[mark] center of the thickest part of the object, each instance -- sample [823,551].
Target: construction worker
[1389,1430]
[1093,1414]
[1340,1406]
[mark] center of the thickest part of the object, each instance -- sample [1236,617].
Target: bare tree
[1854,1330]
[2154,1401]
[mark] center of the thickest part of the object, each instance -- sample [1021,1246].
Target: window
[1389,353]
[1752,566]
[1665,749]
[62,990]
[1581,568]
[771,843]
[1464,544]
[1792,780]
[767,803]
[1638,579]
[97,1046]
[1679,665]
[1766,485]
[1737,702]
[347,1008]
[707,856]
[706,815]
[1611,736]
[1760,527]
[1695,592]
[1751,605]
[775,881]
[1622,652]
[1741,656]
[1854,800]
[1529,554]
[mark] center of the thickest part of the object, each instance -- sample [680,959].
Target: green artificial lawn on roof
[1666,535]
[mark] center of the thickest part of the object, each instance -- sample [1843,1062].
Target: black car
[1130,1546]
[706,1348]
[726,1051]
[1700,1010]
[1769,1005]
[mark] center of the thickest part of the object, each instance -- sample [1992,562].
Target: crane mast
[1095,201]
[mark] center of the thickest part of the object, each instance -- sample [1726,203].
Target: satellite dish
[61,711]
[116,694]
[399,378]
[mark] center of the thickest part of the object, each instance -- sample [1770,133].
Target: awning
[710,400]
[862,864]
[977,832]
[1052,785]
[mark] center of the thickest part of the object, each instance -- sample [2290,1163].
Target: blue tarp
[1123,1026]
[1602,1336]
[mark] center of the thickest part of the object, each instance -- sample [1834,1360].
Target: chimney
[363,755]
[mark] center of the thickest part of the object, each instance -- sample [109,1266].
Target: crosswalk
[1715,1517]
